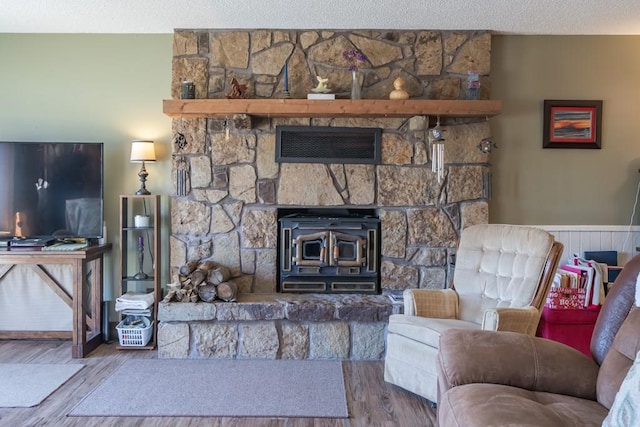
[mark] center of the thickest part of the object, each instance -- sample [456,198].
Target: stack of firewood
[202,280]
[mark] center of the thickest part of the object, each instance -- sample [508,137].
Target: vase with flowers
[353,57]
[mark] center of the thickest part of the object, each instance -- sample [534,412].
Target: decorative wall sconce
[141,152]
[180,141]
[486,145]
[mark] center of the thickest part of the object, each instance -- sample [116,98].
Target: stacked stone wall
[229,211]
[234,186]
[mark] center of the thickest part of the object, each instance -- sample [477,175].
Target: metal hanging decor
[182,177]
[436,140]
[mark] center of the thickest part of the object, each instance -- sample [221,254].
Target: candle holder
[140,275]
[285,91]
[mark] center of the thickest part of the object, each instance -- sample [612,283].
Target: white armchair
[501,279]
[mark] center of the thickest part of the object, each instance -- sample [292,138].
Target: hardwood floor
[371,401]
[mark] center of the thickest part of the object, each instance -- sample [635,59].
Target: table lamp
[142,151]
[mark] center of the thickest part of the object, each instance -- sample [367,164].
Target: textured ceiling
[163,16]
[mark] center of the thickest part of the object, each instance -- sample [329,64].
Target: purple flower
[353,56]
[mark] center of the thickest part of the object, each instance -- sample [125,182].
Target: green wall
[89,87]
[109,88]
[532,185]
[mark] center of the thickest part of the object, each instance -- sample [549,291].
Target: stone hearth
[227,210]
[277,326]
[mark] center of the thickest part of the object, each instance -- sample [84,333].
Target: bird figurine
[322,85]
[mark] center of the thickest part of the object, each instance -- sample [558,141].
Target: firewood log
[207,292]
[198,277]
[169,296]
[174,286]
[194,296]
[186,269]
[219,275]
[185,281]
[227,291]
[206,265]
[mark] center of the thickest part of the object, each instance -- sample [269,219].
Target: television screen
[51,189]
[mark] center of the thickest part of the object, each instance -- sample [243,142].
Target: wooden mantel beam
[227,108]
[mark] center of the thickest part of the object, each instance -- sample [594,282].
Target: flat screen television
[51,189]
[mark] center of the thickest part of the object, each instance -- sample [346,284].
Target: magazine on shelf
[396,295]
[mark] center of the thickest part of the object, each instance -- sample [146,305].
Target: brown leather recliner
[487,378]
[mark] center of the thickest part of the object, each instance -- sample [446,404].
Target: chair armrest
[524,320]
[514,359]
[434,303]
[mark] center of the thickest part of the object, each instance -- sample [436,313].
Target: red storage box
[571,327]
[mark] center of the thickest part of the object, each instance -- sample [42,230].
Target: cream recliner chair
[500,283]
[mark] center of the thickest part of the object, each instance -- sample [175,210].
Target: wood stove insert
[329,250]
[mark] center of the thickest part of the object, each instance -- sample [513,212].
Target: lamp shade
[143,151]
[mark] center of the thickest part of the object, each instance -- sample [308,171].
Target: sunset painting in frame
[572,124]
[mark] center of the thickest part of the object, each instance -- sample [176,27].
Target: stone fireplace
[227,208]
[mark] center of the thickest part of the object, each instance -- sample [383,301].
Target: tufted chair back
[501,266]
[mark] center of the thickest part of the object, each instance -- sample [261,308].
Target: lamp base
[141,275]
[142,191]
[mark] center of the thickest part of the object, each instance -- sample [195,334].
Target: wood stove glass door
[311,249]
[346,250]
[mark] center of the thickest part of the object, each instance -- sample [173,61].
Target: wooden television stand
[85,300]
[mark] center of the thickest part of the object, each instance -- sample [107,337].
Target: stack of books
[396,295]
[576,286]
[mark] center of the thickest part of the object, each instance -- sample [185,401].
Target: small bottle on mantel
[187,90]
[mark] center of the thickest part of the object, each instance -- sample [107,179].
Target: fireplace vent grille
[323,144]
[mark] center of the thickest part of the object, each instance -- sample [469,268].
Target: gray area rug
[25,385]
[220,388]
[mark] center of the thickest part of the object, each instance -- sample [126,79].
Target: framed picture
[572,124]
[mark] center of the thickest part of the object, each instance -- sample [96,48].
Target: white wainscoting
[579,238]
